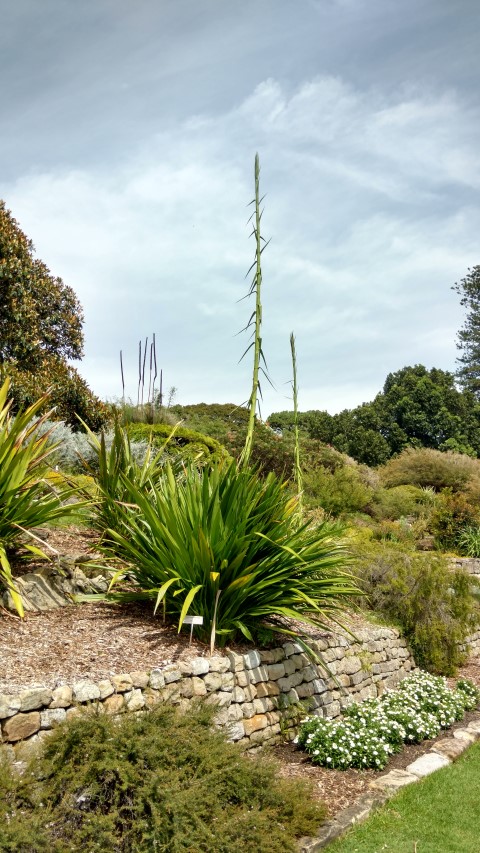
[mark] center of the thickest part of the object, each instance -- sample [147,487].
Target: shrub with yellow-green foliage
[426,467]
[190,445]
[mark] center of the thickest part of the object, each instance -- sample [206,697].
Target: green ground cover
[438,815]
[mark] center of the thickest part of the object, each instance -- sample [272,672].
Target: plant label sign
[192,620]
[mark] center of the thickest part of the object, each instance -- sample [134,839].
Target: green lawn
[439,815]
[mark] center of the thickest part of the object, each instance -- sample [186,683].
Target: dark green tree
[468,338]
[417,408]
[41,323]
[39,315]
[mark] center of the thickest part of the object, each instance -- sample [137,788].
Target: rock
[200,666]
[113,704]
[134,700]
[106,688]
[212,681]
[394,780]
[85,691]
[62,697]
[139,678]
[450,747]
[227,681]
[171,675]
[237,662]
[236,731]
[9,705]
[35,698]
[255,723]
[198,685]
[238,695]
[267,688]
[464,734]
[156,680]
[276,671]
[51,717]
[38,593]
[252,660]
[219,664]
[123,682]
[427,764]
[21,726]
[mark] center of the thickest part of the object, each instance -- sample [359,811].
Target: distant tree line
[416,408]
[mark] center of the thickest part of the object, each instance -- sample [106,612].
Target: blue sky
[128,136]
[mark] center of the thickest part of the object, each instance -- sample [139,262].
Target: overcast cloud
[127,146]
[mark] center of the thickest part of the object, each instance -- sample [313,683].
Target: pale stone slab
[123,682]
[139,678]
[200,666]
[219,664]
[451,747]
[463,734]
[393,780]
[427,764]
[106,688]
[35,698]
[85,691]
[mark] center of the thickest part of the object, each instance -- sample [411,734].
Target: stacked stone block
[260,695]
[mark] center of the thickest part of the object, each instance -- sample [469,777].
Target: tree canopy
[39,314]
[41,323]
[468,338]
[417,408]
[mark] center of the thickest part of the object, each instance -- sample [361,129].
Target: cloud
[369,203]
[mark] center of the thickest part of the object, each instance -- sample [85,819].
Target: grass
[437,815]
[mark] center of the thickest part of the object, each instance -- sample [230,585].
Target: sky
[128,133]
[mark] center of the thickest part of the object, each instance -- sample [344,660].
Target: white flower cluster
[370,731]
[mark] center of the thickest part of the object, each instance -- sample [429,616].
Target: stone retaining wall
[260,695]
[470,564]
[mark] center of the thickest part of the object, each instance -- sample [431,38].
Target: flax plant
[255,319]
[222,544]
[297,466]
[27,499]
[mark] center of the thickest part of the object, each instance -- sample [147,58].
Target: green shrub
[426,467]
[338,491]
[190,445]
[22,827]
[159,781]
[398,502]
[227,423]
[453,513]
[429,601]
[221,543]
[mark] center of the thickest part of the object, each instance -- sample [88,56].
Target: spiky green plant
[255,319]
[27,499]
[118,462]
[297,468]
[220,543]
